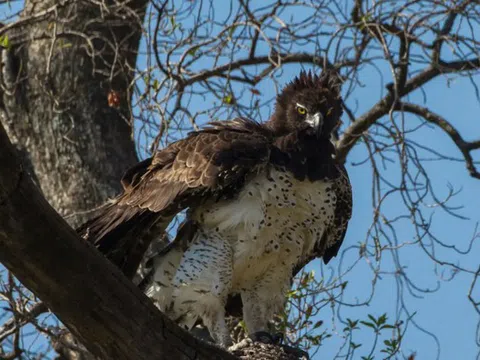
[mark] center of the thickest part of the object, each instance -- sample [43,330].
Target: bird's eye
[301,110]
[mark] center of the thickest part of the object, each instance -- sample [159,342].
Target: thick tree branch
[111,317]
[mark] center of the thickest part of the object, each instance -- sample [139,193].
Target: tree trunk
[57,75]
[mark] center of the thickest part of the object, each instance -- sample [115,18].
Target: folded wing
[209,164]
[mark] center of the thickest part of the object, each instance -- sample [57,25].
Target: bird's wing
[343,213]
[328,246]
[210,163]
[207,164]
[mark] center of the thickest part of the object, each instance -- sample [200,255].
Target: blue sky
[445,312]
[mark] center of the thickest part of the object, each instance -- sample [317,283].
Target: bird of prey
[262,199]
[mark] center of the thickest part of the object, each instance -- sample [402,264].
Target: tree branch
[431,117]
[384,105]
[259,60]
[12,324]
[110,316]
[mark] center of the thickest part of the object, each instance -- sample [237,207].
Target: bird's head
[311,103]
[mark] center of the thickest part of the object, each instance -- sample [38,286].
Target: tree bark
[64,59]
[110,316]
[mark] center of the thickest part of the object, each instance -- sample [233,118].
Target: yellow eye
[301,110]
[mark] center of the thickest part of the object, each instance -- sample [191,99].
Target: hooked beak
[316,122]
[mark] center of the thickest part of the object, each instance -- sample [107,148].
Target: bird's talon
[263,337]
[301,354]
[278,338]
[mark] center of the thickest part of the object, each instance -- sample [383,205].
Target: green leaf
[242,325]
[193,50]
[366,323]
[382,319]
[318,324]
[4,42]
[173,22]
[315,340]
[231,31]
[291,293]
[228,99]
[155,85]
[308,313]
[365,19]
[387,326]
[352,323]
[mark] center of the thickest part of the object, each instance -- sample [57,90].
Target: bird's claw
[301,354]
[267,338]
[262,336]
[277,339]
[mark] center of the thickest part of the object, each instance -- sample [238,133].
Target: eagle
[261,201]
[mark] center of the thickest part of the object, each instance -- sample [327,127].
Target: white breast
[274,222]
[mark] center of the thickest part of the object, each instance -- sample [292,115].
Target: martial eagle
[261,199]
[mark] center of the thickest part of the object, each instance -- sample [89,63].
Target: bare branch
[382,107]
[464,146]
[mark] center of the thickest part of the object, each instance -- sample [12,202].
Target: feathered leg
[263,300]
[202,283]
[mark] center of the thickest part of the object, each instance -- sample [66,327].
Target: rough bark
[246,350]
[99,305]
[65,58]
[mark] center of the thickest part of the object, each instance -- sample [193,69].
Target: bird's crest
[328,82]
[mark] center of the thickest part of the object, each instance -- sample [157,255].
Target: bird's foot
[267,338]
[299,353]
[277,339]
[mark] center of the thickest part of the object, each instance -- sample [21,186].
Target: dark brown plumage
[213,162]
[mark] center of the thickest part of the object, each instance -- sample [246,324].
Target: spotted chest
[273,223]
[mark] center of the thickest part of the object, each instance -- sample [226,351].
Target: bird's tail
[123,234]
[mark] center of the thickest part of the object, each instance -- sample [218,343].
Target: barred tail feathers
[123,234]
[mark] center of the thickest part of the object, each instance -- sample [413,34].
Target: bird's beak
[316,122]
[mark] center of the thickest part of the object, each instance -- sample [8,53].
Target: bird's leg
[261,302]
[202,283]
[214,320]
[266,337]
[255,315]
